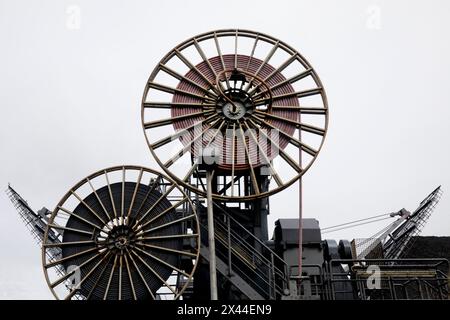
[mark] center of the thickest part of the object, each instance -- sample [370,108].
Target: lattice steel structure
[394,241]
[36,223]
[401,239]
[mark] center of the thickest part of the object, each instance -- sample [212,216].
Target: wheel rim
[211,94]
[118,235]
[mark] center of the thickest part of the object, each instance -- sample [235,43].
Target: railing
[314,280]
[398,279]
[249,257]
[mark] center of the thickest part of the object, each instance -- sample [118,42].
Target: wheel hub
[119,238]
[235,105]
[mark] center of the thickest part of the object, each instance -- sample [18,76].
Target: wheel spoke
[275,117]
[192,67]
[221,59]
[167,89]
[88,207]
[235,49]
[172,236]
[113,268]
[152,187]
[302,126]
[205,59]
[154,272]
[180,133]
[252,171]
[170,105]
[130,277]
[63,244]
[312,129]
[101,275]
[222,123]
[253,51]
[297,143]
[98,199]
[269,55]
[168,121]
[178,76]
[188,146]
[140,275]
[299,94]
[68,274]
[71,294]
[302,110]
[195,165]
[233,156]
[291,80]
[165,211]
[55,226]
[78,254]
[191,170]
[266,158]
[134,195]
[122,201]
[283,66]
[163,262]
[120,277]
[110,194]
[283,154]
[192,216]
[80,218]
[163,196]
[185,253]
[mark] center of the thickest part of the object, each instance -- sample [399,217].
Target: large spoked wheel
[123,233]
[251,98]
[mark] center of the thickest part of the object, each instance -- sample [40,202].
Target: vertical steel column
[300,212]
[211,240]
[230,271]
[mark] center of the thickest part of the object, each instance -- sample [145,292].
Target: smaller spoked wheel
[122,233]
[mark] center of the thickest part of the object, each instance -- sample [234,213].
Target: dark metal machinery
[335,270]
[248,112]
[124,232]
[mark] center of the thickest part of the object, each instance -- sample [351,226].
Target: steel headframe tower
[248,96]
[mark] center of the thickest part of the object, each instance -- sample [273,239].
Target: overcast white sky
[70,103]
